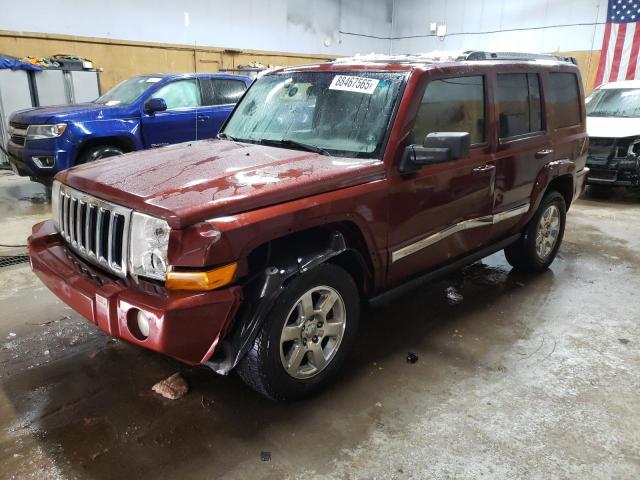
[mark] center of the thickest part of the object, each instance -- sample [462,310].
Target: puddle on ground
[38,199]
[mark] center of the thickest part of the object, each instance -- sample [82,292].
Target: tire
[600,191]
[263,367]
[99,152]
[532,253]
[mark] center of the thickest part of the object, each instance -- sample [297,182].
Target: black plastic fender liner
[260,293]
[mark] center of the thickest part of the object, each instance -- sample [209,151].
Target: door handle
[487,167]
[203,119]
[544,152]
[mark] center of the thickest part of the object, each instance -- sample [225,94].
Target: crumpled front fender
[260,293]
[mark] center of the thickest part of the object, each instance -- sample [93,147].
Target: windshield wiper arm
[226,136]
[295,143]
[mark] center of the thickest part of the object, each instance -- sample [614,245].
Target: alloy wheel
[313,332]
[547,231]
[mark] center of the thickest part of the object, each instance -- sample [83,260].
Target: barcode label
[354,84]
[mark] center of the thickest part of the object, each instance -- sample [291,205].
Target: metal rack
[21,89]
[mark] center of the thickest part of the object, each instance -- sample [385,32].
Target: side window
[565,97]
[180,94]
[452,105]
[219,91]
[519,104]
[535,102]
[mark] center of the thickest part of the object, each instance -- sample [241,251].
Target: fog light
[44,162]
[143,324]
[138,324]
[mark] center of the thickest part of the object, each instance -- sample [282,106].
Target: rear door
[437,213]
[177,123]
[567,118]
[523,144]
[219,97]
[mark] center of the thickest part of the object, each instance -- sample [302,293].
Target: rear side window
[219,91]
[565,97]
[519,104]
[452,105]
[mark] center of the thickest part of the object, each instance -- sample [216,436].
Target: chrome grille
[18,132]
[95,229]
[601,150]
[17,139]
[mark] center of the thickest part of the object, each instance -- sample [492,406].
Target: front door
[178,123]
[440,212]
[220,95]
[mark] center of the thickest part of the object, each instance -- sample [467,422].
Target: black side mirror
[438,147]
[155,105]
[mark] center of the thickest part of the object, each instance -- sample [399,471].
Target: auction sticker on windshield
[354,84]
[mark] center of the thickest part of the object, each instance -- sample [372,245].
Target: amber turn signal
[209,280]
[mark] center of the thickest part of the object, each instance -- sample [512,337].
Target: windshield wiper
[294,143]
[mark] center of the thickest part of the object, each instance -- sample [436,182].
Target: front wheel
[99,152]
[539,244]
[306,336]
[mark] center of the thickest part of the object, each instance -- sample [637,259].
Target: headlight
[37,132]
[55,205]
[149,244]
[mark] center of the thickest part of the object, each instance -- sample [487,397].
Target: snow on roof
[438,56]
[429,57]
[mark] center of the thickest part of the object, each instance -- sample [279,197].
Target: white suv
[613,125]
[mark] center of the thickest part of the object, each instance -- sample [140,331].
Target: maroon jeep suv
[329,184]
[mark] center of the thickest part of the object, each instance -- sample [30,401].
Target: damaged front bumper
[184,325]
[614,162]
[621,173]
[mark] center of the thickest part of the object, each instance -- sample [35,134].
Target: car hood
[64,113]
[191,182]
[613,127]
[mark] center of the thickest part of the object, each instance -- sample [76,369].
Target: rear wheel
[306,336]
[99,152]
[539,244]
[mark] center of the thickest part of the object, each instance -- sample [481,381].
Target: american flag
[621,43]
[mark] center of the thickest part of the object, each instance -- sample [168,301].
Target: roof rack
[481,55]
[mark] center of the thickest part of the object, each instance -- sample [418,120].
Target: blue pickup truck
[141,112]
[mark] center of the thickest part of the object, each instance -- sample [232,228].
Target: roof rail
[481,55]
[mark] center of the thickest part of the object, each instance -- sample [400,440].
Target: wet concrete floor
[528,377]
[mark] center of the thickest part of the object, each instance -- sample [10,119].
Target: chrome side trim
[507,214]
[458,227]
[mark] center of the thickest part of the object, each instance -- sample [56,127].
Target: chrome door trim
[458,227]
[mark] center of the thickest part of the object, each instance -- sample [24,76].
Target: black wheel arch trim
[260,291]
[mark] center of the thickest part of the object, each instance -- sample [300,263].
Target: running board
[441,271]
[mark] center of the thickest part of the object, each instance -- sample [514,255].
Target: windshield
[128,91]
[619,102]
[328,112]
